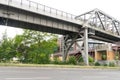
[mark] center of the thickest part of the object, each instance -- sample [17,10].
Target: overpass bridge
[94,24]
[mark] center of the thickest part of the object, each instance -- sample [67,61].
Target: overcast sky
[76,7]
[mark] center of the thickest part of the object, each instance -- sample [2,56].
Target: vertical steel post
[63,49]
[66,46]
[86,46]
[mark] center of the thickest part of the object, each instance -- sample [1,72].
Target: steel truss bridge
[94,24]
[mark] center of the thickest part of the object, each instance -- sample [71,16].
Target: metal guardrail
[38,6]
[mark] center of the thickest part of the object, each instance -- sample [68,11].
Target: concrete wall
[109,54]
[98,56]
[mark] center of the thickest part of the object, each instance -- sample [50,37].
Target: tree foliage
[7,49]
[30,47]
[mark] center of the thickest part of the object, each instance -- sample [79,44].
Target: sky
[76,7]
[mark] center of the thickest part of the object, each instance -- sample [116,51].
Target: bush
[56,61]
[105,64]
[80,59]
[72,60]
[111,64]
[97,64]
[91,59]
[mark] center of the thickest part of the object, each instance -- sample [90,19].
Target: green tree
[30,47]
[7,50]
[41,46]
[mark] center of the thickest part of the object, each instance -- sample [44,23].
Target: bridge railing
[41,7]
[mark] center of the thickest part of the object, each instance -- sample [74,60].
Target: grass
[56,66]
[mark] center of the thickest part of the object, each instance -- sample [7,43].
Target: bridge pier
[83,47]
[86,46]
[67,42]
[70,39]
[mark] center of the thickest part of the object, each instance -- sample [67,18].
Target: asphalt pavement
[38,73]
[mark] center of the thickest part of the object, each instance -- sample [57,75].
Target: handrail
[38,6]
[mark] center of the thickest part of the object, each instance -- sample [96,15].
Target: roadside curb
[57,66]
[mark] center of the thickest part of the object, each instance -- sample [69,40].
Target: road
[37,73]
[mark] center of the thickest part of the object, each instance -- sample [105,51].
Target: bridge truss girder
[101,20]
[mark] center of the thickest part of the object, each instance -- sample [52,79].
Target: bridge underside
[19,24]
[25,25]
[104,37]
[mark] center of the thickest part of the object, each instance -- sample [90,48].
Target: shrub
[91,59]
[72,60]
[111,64]
[80,59]
[56,61]
[105,64]
[97,64]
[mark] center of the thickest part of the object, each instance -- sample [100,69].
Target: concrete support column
[86,46]
[63,49]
